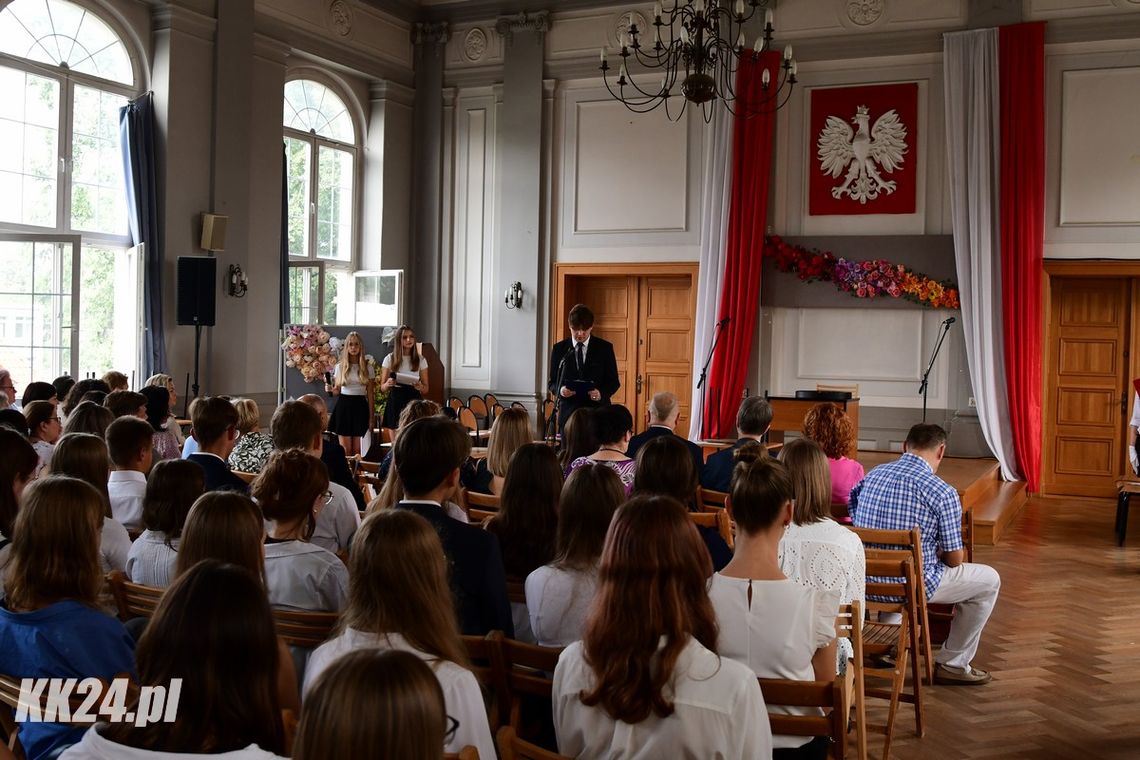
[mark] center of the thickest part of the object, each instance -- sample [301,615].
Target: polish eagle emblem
[863,152]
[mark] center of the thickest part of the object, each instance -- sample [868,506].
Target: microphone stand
[552,423]
[704,376]
[925,386]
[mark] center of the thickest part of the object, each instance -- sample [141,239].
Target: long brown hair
[214,630]
[375,704]
[89,417]
[591,495]
[398,584]
[397,355]
[84,456]
[55,549]
[18,463]
[811,480]
[830,427]
[225,526]
[289,484]
[510,431]
[651,584]
[665,467]
[760,489]
[578,439]
[528,509]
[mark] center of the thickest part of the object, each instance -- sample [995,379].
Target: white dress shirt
[337,522]
[777,633]
[304,577]
[461,693]
[151,562]
[44,450]
[718,713]
[95,747]
[114,545]
[558,600]
[127,489]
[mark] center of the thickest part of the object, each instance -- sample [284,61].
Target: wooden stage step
[978,482]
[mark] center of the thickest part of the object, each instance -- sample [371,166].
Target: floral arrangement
[862,279]
[308,350]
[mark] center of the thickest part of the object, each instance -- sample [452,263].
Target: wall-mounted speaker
[197,278]
[214,232]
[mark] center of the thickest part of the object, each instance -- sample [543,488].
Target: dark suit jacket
[601,369]
[218,476]
[718,468]
[652,432]
[477,576]
[332,454]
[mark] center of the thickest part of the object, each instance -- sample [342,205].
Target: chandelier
[702,44]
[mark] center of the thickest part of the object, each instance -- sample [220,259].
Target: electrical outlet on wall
[972,403]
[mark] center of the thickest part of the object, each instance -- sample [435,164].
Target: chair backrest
[511,747]
[485,654]
[518,405]
[490,400]
[526,674]
[133,599]
[710,500]
[827,695]
[718,519]
[455,403]
[547,409]
[467,753]
[477,405]
[468,419]
[890,576]
[496,410]
[9,701]
[248,477]
[305,630]
[487,501]
[516,589]
[968,534]
[477,516]
[909,540]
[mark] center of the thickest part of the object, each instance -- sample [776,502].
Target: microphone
[724,322]
[949,321]
[328,381]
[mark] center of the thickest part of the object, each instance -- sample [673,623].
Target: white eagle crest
[858,153]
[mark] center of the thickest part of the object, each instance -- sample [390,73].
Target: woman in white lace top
[817,551]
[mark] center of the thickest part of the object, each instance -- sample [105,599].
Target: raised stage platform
[978,482]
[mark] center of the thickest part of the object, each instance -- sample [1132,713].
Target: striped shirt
[902,494]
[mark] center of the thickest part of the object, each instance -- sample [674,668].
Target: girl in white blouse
[646,681]
[352,384]
[777,627]
[399,599]
[171,489]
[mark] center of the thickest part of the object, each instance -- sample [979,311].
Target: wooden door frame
[1093,269]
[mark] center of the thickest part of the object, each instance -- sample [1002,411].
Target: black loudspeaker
[197,278]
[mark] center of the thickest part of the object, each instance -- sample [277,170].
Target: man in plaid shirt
[902,494]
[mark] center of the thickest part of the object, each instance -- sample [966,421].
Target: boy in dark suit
[215,428]
[427,456]
[582,358]
[752,421]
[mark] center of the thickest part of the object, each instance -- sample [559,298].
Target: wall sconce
[238,283]
[514,296]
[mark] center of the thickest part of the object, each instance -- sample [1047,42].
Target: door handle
[639,385]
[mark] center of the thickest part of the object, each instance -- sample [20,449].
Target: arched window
[64,74]
[321,146]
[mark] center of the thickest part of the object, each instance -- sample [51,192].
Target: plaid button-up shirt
[902,494]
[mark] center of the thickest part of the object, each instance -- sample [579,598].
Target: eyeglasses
[452,728]
[328,497]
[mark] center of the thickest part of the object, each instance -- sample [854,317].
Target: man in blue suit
[215,429]
[662,414]
[752,422]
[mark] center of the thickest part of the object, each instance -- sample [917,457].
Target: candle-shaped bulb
[765,78]
[795,67]
[768,19]
[602,55]
[740,41]
[787,52]
[739,8]
[758,46]
[685,35]
[699,6]
[657,11]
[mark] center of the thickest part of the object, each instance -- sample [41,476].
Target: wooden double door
[647,312]
[1092,328]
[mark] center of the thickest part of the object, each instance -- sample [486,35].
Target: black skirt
[399,397]
[349,416]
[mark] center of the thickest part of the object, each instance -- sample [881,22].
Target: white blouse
[558,600]
[44,450]
[461,693]
[337,522]
[95,747]
[114,545]
[775,628]
[304,577]
[151,562]
[355,380]
[718,713]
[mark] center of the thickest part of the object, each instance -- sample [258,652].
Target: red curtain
[747,220]
[1021,55]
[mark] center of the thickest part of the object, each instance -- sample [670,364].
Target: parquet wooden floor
[1063,645]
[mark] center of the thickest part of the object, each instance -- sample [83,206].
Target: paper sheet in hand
[580,387]
[407,378]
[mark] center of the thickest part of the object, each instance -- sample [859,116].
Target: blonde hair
[344,362]
[510,431]
[811,480]
[249,415]
[55,551]
[160,381]
[398,549]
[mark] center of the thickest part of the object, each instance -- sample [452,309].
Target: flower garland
[308,350]
[862,279]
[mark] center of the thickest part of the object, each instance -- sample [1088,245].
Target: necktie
[581,355]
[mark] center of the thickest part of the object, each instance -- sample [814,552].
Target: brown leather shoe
[951,676]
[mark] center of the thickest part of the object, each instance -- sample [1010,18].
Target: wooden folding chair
[455,403]
[477,405]
[710,500]
[896,640]
[909,541]
[486,501]
[133,599]
[468,419]
[248,477]
[305,630]
[467,753]
[485,654]
[511,747]
[849,625]
[719,520]
[494,410]
[490,400]
[525,677]
[827,695]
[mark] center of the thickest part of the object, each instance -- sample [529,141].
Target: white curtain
[717,184]
[970,63]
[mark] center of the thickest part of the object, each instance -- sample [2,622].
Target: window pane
[297,160]
[312,107]
[338,304]
[29,151]
[35,320]
[60,33]
[98,189]
[304,295]
[334,204]
[108,323]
